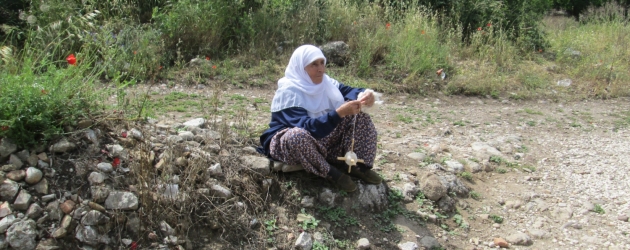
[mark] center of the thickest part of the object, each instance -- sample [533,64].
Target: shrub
[34,106]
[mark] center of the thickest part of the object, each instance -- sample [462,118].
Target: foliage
[37,102]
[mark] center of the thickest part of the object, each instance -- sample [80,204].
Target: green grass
[598,209]
[496,218]
[475,195]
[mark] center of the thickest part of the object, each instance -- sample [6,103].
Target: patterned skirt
[297,146]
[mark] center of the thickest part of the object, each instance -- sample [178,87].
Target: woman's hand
[350,108]
[367,99]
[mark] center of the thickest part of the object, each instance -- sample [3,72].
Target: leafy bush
[35,106]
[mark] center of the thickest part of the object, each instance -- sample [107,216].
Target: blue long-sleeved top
[318,127]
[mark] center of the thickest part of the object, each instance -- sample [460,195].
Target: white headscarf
[296,89]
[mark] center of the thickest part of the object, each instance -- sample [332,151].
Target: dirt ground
[536,186]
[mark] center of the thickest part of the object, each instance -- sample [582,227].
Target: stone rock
[181,162]
[54,212]
[417,156]
[513,204]
[408,246]
[15,160]
[521,239]
[96,206]
[432,187]
[337,52]
[93,218]
[105,167]
[195,123]
[96,178]
[562,213]
[89,235]
[136,134]
[186,135]
[48,197]
[6,222]
[41,187]
[47,244]
[42,164]
[8,190]
[173,139]
[307,201]
[454,166]
[304,242]
[291,168]
[453,184]
[62,146]
[538,233]
[21,235]
[33,175]
[221,191]
[121,201]
[501,243]
[23,155]
[34,211]
[215,170]
[8,168]
[429,242]
[473,167]
[446,203]
[623,218]
[5,209]
[166,228]
[4,244]
[67,206]
[409,192]
[257,164]
[99,193]
[66,226]
[327,197]
[482,148]
[17,175]
[22,201]
[363,244]
[7,147]
[372,197]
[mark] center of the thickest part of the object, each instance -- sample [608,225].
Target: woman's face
[316,70]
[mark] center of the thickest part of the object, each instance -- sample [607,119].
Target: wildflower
[124,134]
[479,29]
[214,66]
[133,246]
[160,68]
[4,128]
[354,23]
[387,25]
[539,50]
[44,92]
[116,162]
[422,32]
[489,24]
[207,58]
[71,59]
[135,52]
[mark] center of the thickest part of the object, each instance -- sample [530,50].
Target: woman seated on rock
[312,118]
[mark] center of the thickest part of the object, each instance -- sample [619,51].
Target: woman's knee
[297,137]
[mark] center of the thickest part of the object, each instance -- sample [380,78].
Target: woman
[312,118]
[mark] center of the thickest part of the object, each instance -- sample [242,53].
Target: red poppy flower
[135,52]
[160,68]
[116,162]
[207,58]
[479,29]
[387,25]
[422,32]
[4,128]
[44,92]
[489,24]
[124,134]
[133,246]
[214,66]
[71,59]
